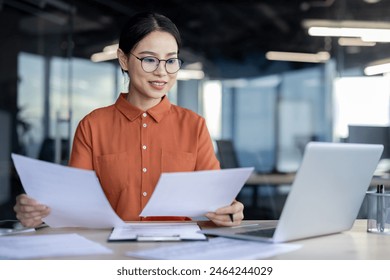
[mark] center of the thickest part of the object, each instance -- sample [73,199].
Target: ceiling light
[378,67]
[354,42]
[185,74]
[368,31]
[372,1]
[376,38]
[108,53]
[372,33]
[103,56]
[319,57]
[194,66]
[345,23]
[111,48]
[333,32]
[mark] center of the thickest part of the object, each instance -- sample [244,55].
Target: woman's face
[154,85]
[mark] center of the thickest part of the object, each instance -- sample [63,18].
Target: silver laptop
[325,197]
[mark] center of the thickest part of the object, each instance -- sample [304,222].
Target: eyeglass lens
[150,64]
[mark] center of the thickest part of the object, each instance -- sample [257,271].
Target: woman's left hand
[228,216]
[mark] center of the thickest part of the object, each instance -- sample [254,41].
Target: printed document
[218,248]
[193,194]
[50,245]
[74,195]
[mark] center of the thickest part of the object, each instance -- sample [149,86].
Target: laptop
[325,197]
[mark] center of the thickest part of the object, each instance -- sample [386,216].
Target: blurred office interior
[269,76]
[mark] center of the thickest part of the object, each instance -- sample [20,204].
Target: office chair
[47,150]
[227,156]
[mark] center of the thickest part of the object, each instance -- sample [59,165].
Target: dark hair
[140,25]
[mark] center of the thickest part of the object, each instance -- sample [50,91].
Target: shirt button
[144,193]
[144,170]
[144,115]
[144,147]
[144,125]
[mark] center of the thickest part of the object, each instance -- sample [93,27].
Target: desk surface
[271,179]
[353,244]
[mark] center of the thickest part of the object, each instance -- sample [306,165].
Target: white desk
[353,244]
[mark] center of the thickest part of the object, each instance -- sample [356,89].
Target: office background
[57,64]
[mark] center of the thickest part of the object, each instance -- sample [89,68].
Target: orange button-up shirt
[129,149]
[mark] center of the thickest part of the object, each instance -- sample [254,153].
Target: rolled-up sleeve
[206,158]
[81,156]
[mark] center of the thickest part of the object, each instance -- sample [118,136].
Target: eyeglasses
[151,63]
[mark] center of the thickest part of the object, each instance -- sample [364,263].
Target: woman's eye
[172,61]
[150,60]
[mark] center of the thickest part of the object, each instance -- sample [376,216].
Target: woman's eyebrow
[155,54]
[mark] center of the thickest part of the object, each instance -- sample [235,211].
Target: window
[360,101]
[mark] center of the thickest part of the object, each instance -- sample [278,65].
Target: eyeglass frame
[159,61]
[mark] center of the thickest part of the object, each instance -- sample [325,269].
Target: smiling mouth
[158,83]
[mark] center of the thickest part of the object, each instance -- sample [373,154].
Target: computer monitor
[371,135]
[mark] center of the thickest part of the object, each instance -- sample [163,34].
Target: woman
[130,143]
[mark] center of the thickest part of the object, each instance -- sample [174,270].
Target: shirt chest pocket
[112,171]
[177,161]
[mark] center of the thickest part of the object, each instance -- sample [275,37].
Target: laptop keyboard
[266,232]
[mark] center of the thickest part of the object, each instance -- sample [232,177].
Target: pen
[380,208]
[231,217]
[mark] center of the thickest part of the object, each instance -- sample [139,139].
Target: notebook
[325,197]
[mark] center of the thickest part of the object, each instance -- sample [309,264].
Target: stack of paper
[219,248]
[46,246]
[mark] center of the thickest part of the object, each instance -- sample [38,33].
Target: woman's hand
[228,216]
[29,212]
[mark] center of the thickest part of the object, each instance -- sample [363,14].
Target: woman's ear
[123,60]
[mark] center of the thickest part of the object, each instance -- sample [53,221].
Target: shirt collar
[162,109]
[131,112]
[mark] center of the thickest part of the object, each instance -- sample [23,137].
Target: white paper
[157,231]
[74,195]
[45,246]
[218,248]
[194,194]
